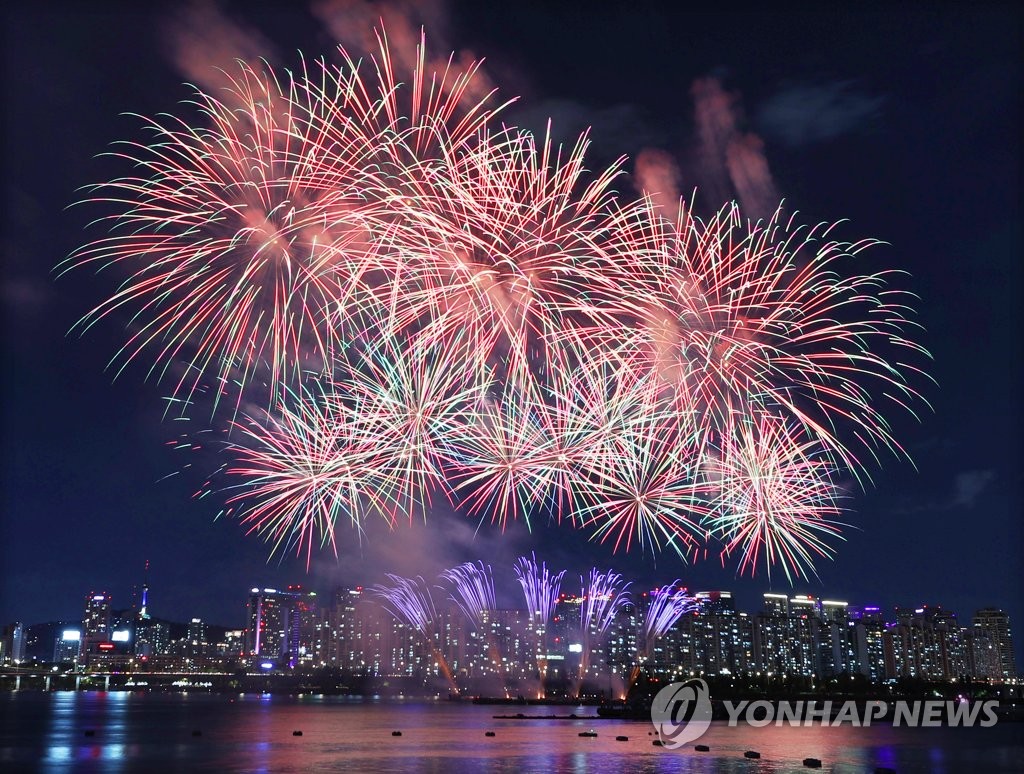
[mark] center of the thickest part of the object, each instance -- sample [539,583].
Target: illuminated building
[722,640]
[267,632]
[12,644]
[869,635]
[982,655]
[771,635]
[803,651]
[776,604]
[66,646]
[924,642]
[196,637]
[152,638]
[623,640]
[996,624]
[838,653]
[96,622]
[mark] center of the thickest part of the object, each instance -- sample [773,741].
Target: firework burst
[540,588]
[777,502]
[604,594]
[301,469]
[753,317]
[410,401]
[246,240]
[485,322]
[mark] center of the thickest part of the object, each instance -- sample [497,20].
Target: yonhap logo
[681,712]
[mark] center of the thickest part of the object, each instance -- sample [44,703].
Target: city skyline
[99,606]
[355,631]
[93,481]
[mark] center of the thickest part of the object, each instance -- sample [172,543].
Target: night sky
[906,123]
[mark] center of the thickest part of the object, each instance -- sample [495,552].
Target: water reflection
[140,732]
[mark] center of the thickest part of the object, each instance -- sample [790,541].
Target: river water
[155,732]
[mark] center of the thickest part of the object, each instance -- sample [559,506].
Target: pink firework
[303,468]
[752,317]
[506,248]
[776,503]
[247,240]
[644,487]
[491,325]
[502,461]
[409,402]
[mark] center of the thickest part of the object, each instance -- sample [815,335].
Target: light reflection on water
[155,732]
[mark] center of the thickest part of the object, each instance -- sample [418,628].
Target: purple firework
[665,606]
[540,588]
[603,595]
[472,589]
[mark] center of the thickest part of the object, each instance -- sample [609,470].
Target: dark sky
[907,123]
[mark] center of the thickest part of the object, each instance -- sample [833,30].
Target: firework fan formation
[472,590]
[410,602]
[603,595]
[425,305]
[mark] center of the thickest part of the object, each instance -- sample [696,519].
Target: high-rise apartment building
[96,629]
[12,644]
[996,624]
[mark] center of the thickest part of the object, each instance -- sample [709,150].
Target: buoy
[589,734]
[752,754]
[701,748]
[812,763]
[622,739]
[296,733]
[488,733]
[197,732]
[396,733]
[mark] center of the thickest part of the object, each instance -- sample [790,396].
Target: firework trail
[665,606]
[603,595]
[473,592]
[777,502]
[473,587]
[541,589]
[410,602]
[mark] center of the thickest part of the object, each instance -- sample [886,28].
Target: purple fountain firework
[472,589]
[409,600]
[665,606]
[540,587]
[603,595]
